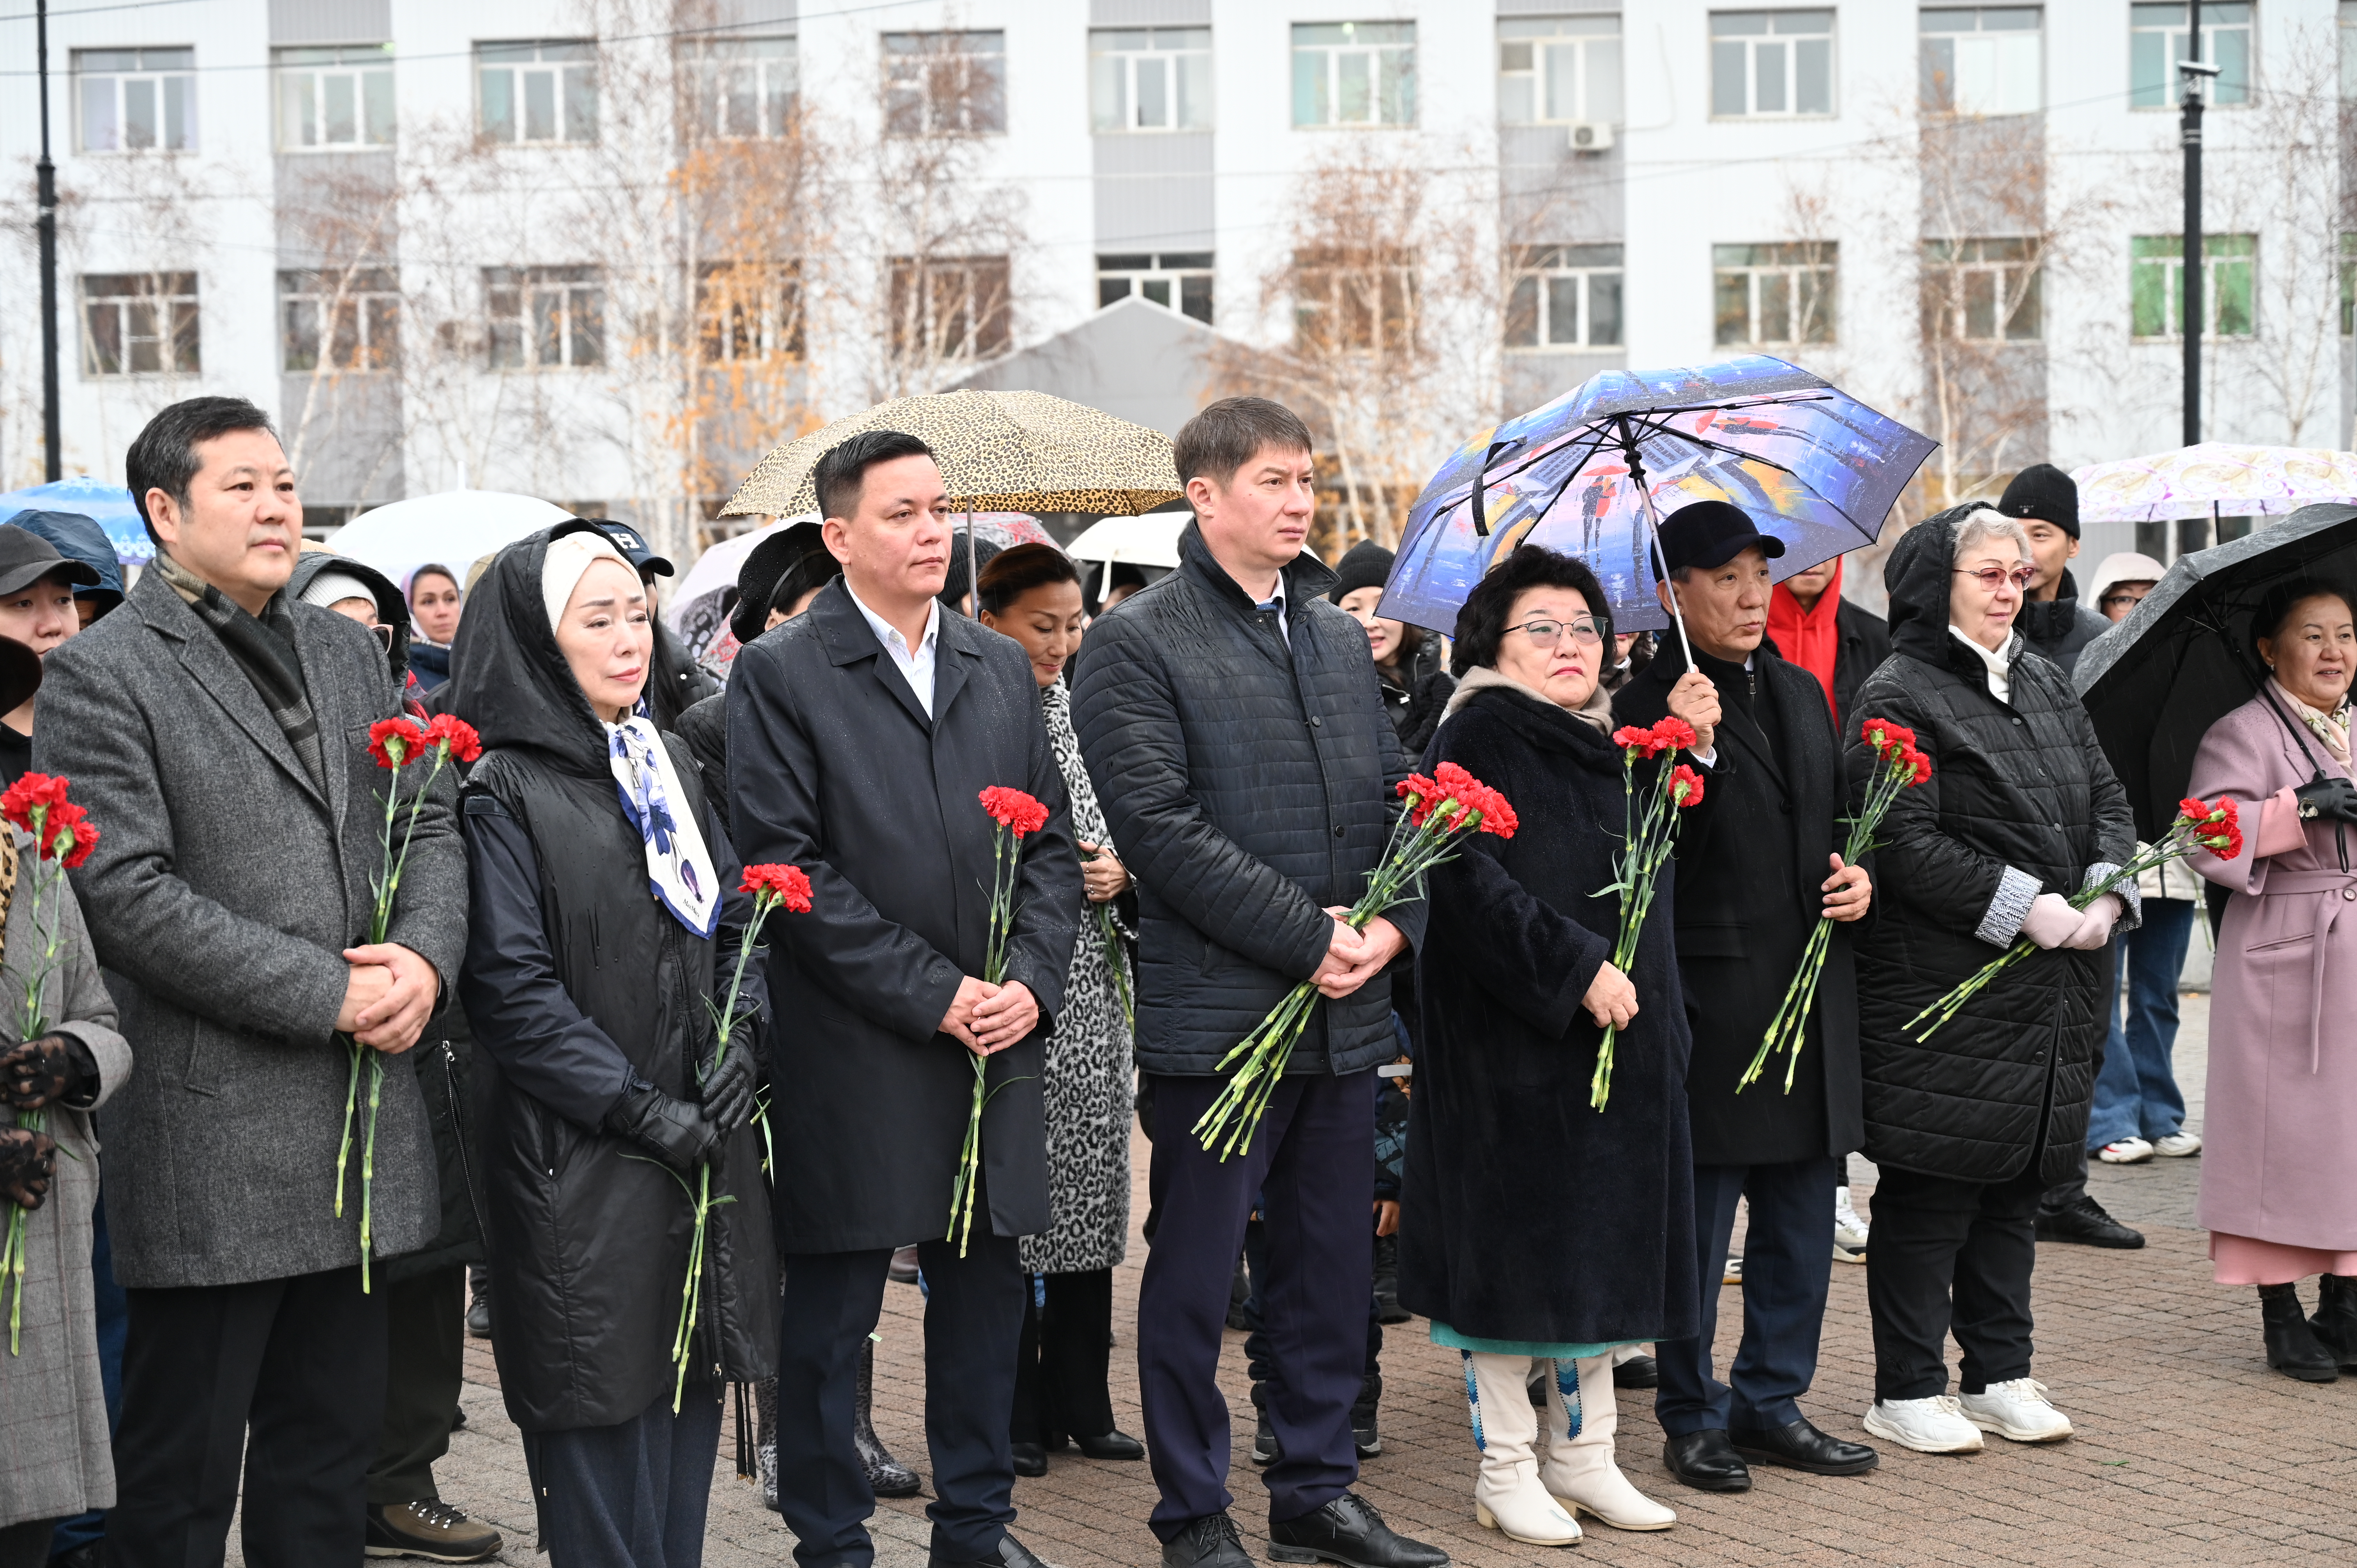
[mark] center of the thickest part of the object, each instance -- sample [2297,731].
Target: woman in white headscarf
[603,933]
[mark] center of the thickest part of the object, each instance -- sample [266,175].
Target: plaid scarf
[265,649]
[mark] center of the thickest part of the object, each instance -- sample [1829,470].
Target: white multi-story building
[604,251]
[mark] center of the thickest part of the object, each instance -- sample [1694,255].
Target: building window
[544,316]
[2156,41]
[139,324]
[1555,70]
[136,101]
[2157,285]
[1771,63]
[1355,301]
[1150,78]
[335,98]
[740,87]
[1565,296]
[1982,291]
[1354,73]
[949,308]
[344,320]
[1780,293]
[1176,280]
[542,92]
[944,82]
[1985,60]
[748,311]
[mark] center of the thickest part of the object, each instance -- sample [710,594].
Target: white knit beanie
[331,585]
[567,559]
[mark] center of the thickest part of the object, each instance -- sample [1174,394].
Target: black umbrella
[2183,659]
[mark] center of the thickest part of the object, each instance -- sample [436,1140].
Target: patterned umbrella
[1592,473]
[2214,478]
[999,451]
[109,506]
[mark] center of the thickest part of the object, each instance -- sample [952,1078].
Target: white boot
[1508,1496]
[1580,1473]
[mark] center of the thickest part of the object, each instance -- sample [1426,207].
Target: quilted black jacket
[2020,801]
[1248,781]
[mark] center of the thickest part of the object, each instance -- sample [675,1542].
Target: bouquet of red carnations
[1017,816]
[1900,767]
[2214,825]
[62,838]
[395,744]
[1439,810]
[1650,829]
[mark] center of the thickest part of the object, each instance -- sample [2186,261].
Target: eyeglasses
[1994,577]
[2111,599]
[1583,630]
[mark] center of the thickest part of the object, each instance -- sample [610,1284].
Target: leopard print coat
[1088,1073]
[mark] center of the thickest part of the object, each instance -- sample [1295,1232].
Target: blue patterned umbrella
[1593,472]
[109,506]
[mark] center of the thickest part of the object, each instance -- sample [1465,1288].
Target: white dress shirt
[1275,601]
[917,664]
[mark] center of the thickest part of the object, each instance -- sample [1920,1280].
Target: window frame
[2173,36]
[1176,270]
[1394,84]
[1796,262]
[515,341]
[982,339]
[365,75]
[574,83]
[985,102]
[371,296]
[1124,63]
[1539,74]
[704,64]
[2168,258]
[166,85]
[177,292]
[1931,100]
[1941,259]
[1791,86]
[1543,269]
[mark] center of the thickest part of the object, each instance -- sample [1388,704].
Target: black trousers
[632,1495]
[1950,1256]
[2073,1188]
[1788,1260]
[424,1367]
[288,1374]
[1312,1168]
[973,1319]
[1064,1360]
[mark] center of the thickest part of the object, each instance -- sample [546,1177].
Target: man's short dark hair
[162,456]
[1482,622]
[842,470]
[1223,437]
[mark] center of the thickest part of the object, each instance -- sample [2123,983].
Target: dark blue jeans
[2136,1094]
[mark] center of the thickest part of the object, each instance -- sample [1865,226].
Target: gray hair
[1986,525]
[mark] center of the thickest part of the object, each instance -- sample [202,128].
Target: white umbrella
[716,570]
[454,529]
[2212,478]
[1150,540]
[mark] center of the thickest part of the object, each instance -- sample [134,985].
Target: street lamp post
[46,178]
[2192,74]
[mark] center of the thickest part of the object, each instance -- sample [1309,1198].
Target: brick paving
[2189,1450]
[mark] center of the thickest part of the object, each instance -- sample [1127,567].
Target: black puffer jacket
[2020,801]
[1249,783]
[2060,626]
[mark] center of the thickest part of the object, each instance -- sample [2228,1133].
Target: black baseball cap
[633,545]
[1712,534]
[26,558]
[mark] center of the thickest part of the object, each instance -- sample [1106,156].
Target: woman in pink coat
[2279,1162]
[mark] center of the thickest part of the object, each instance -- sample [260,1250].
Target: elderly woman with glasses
[1537,1234]
[1972,1122]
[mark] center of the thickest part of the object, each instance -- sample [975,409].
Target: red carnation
[787,884]
[1674,733]
[1422,794]
[395,743]
[29,793]
[455,736]
[1686,786]
[85,838]
[1497,816]
[1013,810]
[1920,764]
[1636,738]
[1886,738]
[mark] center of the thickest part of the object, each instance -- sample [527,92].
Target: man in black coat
[1232,726]
[861,734]
[1753,884]
[2053,619]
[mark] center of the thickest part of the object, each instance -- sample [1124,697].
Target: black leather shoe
[2084,1220]
[1211,1542]
[1638,1372]
[1707,1462]
[2335,1322]
[2293,1348]
[903,1270]
[1797,1445]
[1112,1446]
[1011,1554]
[1348,1531]
[1031,1459]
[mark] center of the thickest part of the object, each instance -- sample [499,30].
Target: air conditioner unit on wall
[1589,135]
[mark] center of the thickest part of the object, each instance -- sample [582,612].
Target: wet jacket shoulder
[705,727]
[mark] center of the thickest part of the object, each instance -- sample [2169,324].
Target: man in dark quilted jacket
[1232,724]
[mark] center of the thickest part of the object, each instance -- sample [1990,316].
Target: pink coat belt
[2335,893]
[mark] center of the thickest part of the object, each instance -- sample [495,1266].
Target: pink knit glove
[2051,922]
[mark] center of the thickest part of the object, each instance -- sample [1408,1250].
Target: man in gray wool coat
[217,734]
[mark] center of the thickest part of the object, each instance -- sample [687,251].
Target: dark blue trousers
[974,1324]
[1312,1166]
[632,1495]
[1787,1264]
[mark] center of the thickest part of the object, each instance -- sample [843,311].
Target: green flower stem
[48,915]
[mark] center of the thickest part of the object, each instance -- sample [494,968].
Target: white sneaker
[1733,1274]
[1934,1425]
[2125,1151]
[2177,1145]
[1849,1231]
[2016,1409]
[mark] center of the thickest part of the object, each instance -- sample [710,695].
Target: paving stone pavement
[2189,1450]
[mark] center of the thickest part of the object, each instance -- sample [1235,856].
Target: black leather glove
[27,1160]
[728,1088]
[2329,797]
[677,1130]
[44,1071]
